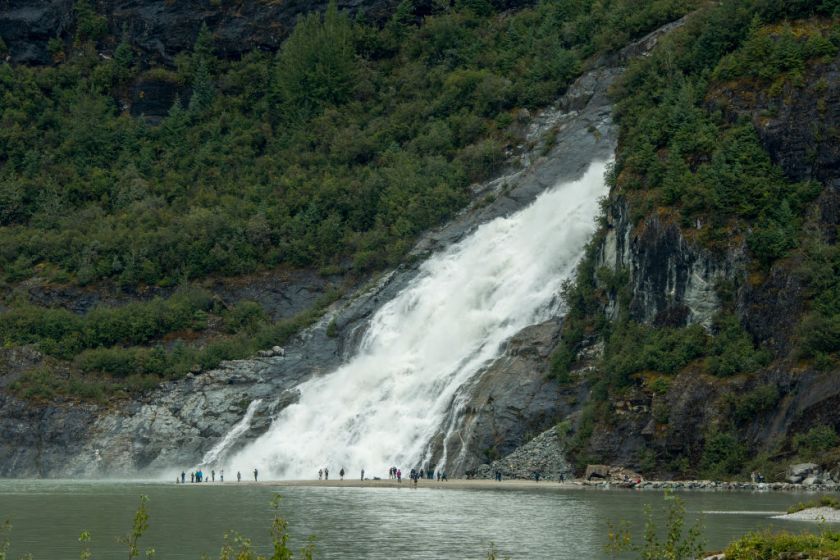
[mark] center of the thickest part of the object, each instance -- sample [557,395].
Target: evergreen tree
[203,91]
[123,59]
[316,66]
[203,49]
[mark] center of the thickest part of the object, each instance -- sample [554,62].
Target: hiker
[320,474]
[537,476]
[183,475]
[222,475]
[326,473]
[399,476]
[563,477]
[341,473]
[363,474]
[498,476]
[443,476]
[192,477]
[255,475]
[213,475]
[438,476]
[238,476]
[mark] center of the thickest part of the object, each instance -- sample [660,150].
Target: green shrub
[772,545]
[723,455]
[674,541]
[815,441]
[90,26]
[749,405]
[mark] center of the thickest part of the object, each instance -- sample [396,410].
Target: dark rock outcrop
[508,404]
[162,29]
[798,124]
[26,26]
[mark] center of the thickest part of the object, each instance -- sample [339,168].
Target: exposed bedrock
[175,425]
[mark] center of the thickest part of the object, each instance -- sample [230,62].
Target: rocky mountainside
[658,272]
[181,421]
[161,30]
[702,330]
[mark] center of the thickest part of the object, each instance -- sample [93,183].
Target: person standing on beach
[320,474]
[341,474]
[363,474]
[213,475]
[255,475]
[238,476]
[399,475]
[326,473]
[183,476]
[222,475]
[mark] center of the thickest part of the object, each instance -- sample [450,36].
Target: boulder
[597,471]
[799,472]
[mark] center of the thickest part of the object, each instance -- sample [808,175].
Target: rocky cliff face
[162,29]
[178,423]
[674,281]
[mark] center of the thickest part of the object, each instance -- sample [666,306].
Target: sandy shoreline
[818,514]
[546,485]
[456,484]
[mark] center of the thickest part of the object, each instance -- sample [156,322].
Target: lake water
[187,521]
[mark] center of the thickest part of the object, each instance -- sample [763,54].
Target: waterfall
[390,399]
[221,448]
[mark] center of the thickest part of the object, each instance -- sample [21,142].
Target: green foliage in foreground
[672,542]
[773,545]
[334,153]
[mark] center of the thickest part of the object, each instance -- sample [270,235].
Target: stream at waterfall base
[190,520]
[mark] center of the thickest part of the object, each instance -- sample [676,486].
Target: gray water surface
[187,521]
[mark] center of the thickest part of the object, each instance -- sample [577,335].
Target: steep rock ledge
[673,281]
[176,424]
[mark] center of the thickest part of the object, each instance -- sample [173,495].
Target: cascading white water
[384,405]
[218,451]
